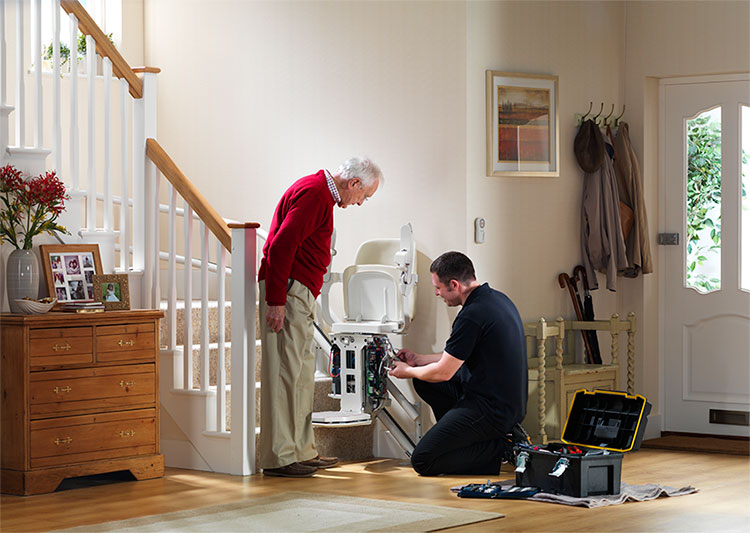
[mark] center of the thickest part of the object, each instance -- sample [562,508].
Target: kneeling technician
[477,387]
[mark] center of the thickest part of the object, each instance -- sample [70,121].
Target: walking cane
[588,311]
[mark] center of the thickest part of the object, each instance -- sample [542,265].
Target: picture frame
[112,290]
[522,128]
[69,270]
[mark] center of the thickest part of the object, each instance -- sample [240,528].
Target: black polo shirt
[488,336]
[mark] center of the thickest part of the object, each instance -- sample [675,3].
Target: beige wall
[667,39]
[253,95]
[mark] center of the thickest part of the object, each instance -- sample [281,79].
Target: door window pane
[703,231]
[745,199]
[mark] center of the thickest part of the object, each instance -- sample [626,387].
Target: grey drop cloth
[628,493]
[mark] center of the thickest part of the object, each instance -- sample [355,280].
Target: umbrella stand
[564,280]
[588,311]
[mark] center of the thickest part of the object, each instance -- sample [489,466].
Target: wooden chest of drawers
[80,396]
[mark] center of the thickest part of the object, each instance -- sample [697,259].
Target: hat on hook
[589,147]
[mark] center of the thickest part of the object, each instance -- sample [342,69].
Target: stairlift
[379,292]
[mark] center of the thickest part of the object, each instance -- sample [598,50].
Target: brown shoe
[321,462]
[292,470]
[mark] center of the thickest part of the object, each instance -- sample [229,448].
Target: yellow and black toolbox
[600,427]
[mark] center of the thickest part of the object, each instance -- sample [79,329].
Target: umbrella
[588,311]
[564,281]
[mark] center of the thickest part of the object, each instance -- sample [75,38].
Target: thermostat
[479,224]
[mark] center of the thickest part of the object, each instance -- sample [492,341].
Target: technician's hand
[399,370]
[275,317]
[407,356]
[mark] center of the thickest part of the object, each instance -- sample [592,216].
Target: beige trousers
[287,381]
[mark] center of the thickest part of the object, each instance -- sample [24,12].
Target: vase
[22,277]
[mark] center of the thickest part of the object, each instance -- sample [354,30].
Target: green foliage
[703,196]
[65,49]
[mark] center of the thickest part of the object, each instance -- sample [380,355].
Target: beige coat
[630,189]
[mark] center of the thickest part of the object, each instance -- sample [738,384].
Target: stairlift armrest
[326,313]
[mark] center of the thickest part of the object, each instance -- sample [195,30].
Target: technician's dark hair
[453,265]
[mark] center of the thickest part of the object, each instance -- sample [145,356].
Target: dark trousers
[463,441]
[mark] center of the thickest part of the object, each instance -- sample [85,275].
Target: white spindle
[73,65]
[221,376]
[124,180]
[3,57]
[155,290]
[91,73]
[36,57]
[172,291]
[20,91]
[107,67]
[57,105]
[204,359]
[187,360]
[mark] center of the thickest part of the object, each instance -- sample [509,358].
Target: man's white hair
[362,168]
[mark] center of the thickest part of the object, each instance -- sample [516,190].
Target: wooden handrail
[188,191]
[104,47]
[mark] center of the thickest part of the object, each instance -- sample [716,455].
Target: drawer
[63,391]
[131,342]
[92,437]
[60,346]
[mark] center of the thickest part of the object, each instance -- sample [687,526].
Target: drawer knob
[129,433]
[124,384]
[61,347]
[64,389]
[121,342]
[66,440]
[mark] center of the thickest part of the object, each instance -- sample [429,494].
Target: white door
[705,297]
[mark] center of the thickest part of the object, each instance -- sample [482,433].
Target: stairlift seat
[372,303]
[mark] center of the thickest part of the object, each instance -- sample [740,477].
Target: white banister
[20,90]
[56,90]
[204,356]
[155,263]
[187,359]
[91,192]
[221,376]
[3,57]
[36,58]
[73,65]
[107,68]
[125,179]
[172,276]
[242,459]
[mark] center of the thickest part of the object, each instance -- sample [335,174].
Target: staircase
[174,247]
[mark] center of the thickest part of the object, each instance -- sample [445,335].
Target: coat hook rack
[598,118]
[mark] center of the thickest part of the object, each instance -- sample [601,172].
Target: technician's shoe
[321,462]
[292,470]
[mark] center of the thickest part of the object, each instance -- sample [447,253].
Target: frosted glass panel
[703,207]
[745,199]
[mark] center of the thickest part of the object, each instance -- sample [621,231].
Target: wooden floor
[723,503]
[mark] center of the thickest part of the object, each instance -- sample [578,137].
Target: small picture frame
[112,290]
[522,130]
[69,269]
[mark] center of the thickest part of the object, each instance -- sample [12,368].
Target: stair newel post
[144,127]
[243,348]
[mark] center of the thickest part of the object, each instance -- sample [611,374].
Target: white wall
[253,95]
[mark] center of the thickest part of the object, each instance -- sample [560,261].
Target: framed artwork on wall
[112,290]
[522,130]
[69,270]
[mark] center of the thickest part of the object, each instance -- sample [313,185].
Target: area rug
[699,444]
[302,511]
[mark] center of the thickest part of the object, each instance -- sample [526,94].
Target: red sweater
[299,241]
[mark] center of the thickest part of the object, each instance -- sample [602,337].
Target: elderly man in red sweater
[295,258]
